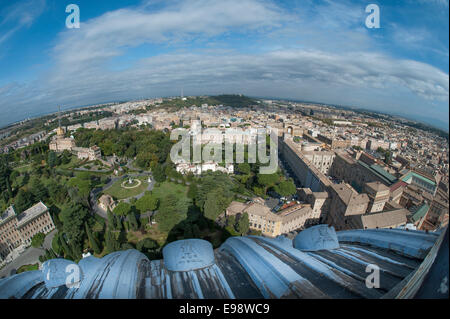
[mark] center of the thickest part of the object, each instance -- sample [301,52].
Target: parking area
[29,256]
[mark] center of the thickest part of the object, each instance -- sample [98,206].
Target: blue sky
[315,50]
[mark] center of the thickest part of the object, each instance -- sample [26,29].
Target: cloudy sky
[314,50]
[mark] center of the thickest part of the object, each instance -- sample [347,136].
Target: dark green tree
[73,218]
[243,224]
[286,188]
[38,190]
[159,173]
[52,159]
[111,220]
[133,221]
[92,240]
[52,254]
[231,221]
[5,172]
[268,180]
[188,233]
[118,222]
[56,244]
[196,231]
[244,168]
[192,191]
[146,245]
[147,203]
[38,240]
[23,201]
[76,249]
[110,242]
[67,251]
[122,209]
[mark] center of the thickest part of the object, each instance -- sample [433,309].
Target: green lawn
[27,268]
[74,162]
[167,188]
[23,168]
[118,192]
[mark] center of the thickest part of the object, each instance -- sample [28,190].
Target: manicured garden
[119,192]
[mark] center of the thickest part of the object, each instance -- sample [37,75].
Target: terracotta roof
[397,185]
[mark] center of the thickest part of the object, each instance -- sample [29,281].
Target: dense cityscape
[339,167]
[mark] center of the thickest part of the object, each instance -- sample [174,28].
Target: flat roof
[383,172]
[7,214]
[31,213]
[411,174]
[420,212]
[385,176]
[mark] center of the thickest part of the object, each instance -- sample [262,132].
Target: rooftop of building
[384,219]
[236,207]
[380,170]
[293,210]
[420,212]
[348,194]
[397,185]
[323,179]
[31,213]
[412,174]
[321,195]
[377,187]
[7,214]
[317,263]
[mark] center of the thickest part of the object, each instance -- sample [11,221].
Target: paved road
[80,169]
[28,257]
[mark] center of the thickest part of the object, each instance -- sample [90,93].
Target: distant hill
[234,100]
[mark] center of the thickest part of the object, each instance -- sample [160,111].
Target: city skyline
[319,51]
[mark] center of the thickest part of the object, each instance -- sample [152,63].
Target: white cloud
[326,55]
[19,15]
[110,34]
[304,68]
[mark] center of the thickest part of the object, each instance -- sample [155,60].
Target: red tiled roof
[397,185]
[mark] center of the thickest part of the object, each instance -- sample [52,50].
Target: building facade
[16,230]
[274,224]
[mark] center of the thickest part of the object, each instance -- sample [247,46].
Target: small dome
[59,272]
[188,254]
[316,238]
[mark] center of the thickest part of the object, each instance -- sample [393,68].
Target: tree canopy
[168,213]
[122,209]
[146,203]
[286,188]
[38,240]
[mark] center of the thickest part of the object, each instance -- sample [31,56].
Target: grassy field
[74,162]
[118,192]
[151,232]
[27,268]
[167,188]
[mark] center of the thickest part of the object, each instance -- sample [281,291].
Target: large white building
[197,169]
